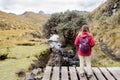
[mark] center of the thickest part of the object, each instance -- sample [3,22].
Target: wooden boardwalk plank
[114,73]
[81,78]
[107,74]
[47,73]
[117,69]
[73,74]
[55,75]
[93,76]
[98,74]
[64,73]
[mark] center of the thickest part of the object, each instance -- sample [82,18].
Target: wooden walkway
[72,73]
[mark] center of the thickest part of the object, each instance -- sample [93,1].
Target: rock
[29,76]
[70,54]
[21,73]
[38,77]
[36,71]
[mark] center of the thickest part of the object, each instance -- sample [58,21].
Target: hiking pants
[85,60]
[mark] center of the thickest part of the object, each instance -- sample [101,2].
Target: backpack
[84,45]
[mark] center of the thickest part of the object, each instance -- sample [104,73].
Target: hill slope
[10,21]
[36,18]
[105,26]
[28,20]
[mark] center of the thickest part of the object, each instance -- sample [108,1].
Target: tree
[65,24]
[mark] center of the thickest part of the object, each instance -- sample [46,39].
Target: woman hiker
[84,42]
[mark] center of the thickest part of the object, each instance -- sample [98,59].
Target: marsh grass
[18,57]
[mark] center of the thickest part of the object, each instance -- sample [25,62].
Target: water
[54,37]
[54,41]
[63,57]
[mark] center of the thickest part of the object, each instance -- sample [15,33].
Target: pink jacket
[77,41]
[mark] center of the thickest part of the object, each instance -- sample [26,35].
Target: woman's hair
[84,28]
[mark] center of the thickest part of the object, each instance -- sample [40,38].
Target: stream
[59,56]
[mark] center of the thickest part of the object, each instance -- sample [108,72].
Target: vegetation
[20,58]
[104,22]
[66,24]
[20,44]
[21,41]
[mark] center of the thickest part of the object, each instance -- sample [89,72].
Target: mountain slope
[10,21]
[28,20]
[104,24]
[36,18]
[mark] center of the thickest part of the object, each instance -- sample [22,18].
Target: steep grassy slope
[105,26]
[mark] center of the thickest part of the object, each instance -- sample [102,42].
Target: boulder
[36,71]
[29,76]
[38,77]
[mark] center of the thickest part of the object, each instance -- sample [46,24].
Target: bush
[66,24]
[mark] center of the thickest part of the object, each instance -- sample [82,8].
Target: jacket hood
[84,34]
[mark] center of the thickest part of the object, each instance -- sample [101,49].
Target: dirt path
[108,52]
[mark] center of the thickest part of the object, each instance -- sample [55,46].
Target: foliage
[66,24]
[105,21]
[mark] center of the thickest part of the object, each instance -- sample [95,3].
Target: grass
[14,32]
[9,68]
[20,58]
[102,60]
[27,51]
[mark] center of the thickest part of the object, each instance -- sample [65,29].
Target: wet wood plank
[73,73]
[55,75]
[64,73]
[114,73]
[47,73]
[107,74]
[81,78]
[93,76]
[117,69]
[99,74]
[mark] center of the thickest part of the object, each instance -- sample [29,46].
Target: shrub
[65,24]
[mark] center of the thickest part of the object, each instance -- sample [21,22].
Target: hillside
[105,26]
[28,20]
[36,18]
[20,43]
[11,21]
[29,23]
